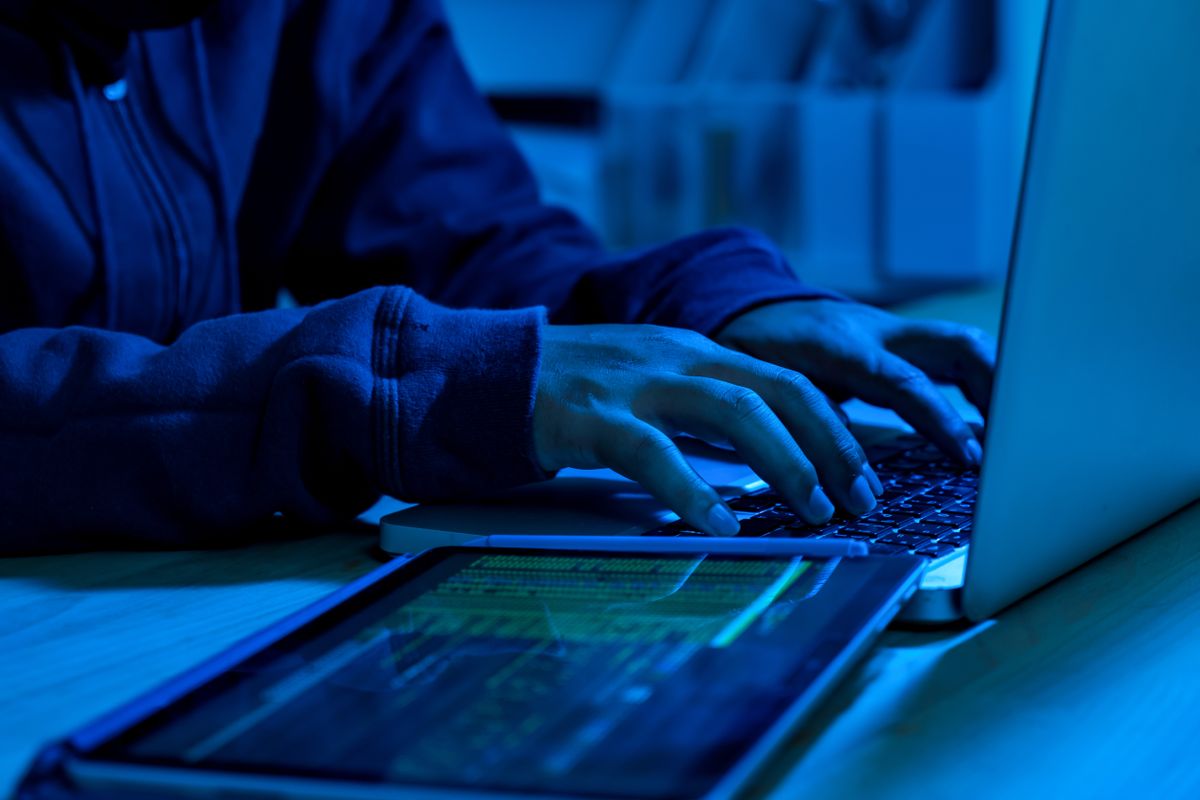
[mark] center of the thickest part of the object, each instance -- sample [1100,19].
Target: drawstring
[106,259]
[224,206]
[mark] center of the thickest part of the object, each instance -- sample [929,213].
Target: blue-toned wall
[884,173]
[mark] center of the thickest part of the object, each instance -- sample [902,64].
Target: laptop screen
[581,674]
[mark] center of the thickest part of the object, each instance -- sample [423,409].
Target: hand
[613,395]
[854,350]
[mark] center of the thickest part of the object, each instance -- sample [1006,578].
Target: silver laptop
[1087,441]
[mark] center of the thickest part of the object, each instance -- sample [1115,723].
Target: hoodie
[167,168]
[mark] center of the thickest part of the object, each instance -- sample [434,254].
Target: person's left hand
[855,350]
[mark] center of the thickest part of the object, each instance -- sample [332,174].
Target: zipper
[117,96]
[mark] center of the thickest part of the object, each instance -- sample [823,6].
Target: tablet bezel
[894,577]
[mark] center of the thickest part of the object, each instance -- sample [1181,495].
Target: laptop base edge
[938,603]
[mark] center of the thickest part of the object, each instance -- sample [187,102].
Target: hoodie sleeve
[109,439]
[415,181]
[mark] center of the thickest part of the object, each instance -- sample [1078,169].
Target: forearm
[109,439]
[698,282]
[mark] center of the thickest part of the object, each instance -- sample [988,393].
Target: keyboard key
[913,479]
[871,527]
[789,532]
[904,540]
[884,517]
[758,527]
[778,512]
[935,550]
[948,521]
[799,529]
[754,502]
[855,533]
[925,504]
[925,529]
[939,466]
[955,539]
[913,509]
[950,492]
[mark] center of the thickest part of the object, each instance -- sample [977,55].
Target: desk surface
[1088,688]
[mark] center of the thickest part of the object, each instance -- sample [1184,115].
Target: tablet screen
[588,674]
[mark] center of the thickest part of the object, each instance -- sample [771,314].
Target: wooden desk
[82,634]
[1090,688]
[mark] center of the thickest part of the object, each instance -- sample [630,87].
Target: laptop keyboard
[927,506]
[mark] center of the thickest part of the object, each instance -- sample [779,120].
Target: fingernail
[973,452]
[819,507]
[873,479]
[721,521]
[861,499]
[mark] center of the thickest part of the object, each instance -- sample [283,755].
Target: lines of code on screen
[533,673]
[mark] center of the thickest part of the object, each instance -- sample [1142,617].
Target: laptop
[1087,440]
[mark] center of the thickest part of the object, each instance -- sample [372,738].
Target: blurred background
[878,142]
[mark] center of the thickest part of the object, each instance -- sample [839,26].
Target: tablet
[483,673]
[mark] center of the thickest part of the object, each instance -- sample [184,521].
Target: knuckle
[660,335]
[742,404]
[690,339]
[969,338]
[647,446]
[795,383]
[981,345]
[908,378]
[686,348]
[848,449]
[660,345]
[971,334]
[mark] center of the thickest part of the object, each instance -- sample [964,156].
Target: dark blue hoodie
[160,185]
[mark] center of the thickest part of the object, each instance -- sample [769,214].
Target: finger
[825,437]
[811,421]
[837,409]
[894,383]
[960,354]
[645,454]
[714,408]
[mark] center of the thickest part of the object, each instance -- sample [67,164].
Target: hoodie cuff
[723,273]
[453,398]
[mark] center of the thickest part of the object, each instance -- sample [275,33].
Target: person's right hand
[614,395]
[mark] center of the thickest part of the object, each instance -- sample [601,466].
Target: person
[169,167]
